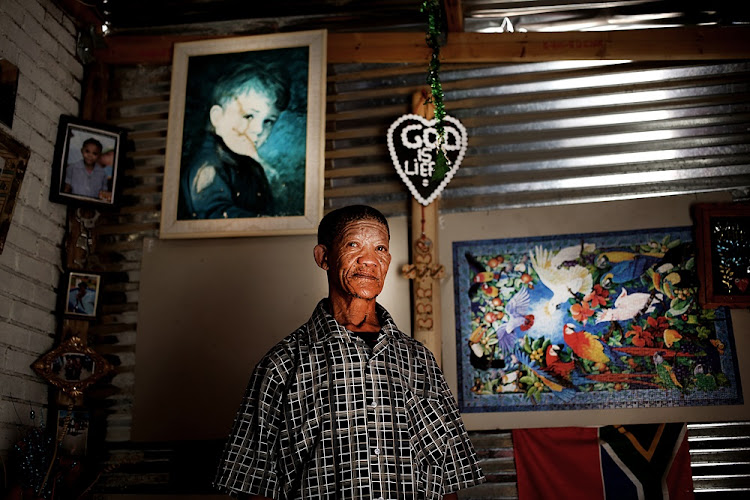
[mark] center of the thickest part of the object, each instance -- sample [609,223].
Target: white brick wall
[39,39]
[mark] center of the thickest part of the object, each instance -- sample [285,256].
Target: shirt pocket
[428,441]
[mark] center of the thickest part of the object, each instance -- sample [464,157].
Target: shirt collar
[322,325]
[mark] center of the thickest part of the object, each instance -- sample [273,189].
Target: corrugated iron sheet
[550,133]
[539,134]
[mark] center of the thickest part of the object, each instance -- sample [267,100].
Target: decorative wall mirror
[72,367]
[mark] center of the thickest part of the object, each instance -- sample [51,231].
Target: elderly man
[348,406]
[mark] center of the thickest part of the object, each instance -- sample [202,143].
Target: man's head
[353,248]
[90,150]
[247,103]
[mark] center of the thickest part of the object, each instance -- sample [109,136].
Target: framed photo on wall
[14,158]
[82,295]
[722,231]
[87,163]
[245,138]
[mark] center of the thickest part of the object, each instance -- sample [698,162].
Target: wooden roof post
[425,269]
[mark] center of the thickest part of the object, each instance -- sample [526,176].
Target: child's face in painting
[245,122]
[90,153]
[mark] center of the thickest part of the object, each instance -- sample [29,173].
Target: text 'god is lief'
[424,141]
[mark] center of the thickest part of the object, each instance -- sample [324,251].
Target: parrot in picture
[627,306]
[624,270]
[515,312]
[588,346]
[564,282]
[482,278]
[555,365]
[558,387]
[667,377]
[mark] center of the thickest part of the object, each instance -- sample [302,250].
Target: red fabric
[564,464]
[680,476]
[558,463]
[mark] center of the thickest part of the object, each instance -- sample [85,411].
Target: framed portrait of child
[82,295]
[245,137]
[87,164]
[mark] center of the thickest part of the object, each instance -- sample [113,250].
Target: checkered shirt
[326,417]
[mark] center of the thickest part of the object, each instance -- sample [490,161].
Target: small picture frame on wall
[82,295]
[73,431]
[87,164]
[722,233]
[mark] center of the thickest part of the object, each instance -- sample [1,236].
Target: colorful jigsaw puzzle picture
[588,321]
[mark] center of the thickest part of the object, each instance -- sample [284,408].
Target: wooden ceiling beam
[82,13]
[454,15]
[673,44]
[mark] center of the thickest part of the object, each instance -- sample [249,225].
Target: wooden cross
[425,270]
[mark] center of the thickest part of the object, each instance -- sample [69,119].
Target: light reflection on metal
[626,179]
[557,133]
[506,26]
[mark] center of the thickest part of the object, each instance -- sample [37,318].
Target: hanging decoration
[414,143]
[427,153]
[435,39]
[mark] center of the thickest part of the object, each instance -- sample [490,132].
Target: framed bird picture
[588,321]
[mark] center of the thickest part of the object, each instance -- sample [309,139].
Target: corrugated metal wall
[547,133]
[539,134]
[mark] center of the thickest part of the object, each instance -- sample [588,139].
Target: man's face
[245,122]
[359,259]
[90,153]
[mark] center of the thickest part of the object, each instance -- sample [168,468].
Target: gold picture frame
[208,192]
[72,366]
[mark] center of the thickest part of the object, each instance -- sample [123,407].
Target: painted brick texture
[39,38]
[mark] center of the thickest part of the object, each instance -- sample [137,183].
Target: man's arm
[449,496]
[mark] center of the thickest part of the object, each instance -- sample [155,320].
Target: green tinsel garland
[435,29]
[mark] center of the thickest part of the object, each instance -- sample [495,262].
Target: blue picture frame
[516,299]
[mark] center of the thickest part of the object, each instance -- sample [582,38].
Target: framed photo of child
[82,295]
[87,163]
[245,137]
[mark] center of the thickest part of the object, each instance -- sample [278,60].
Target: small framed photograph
[87,164]
[82,294]
[73,431]
[246,137]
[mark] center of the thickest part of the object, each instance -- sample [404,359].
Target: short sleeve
[249,462]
